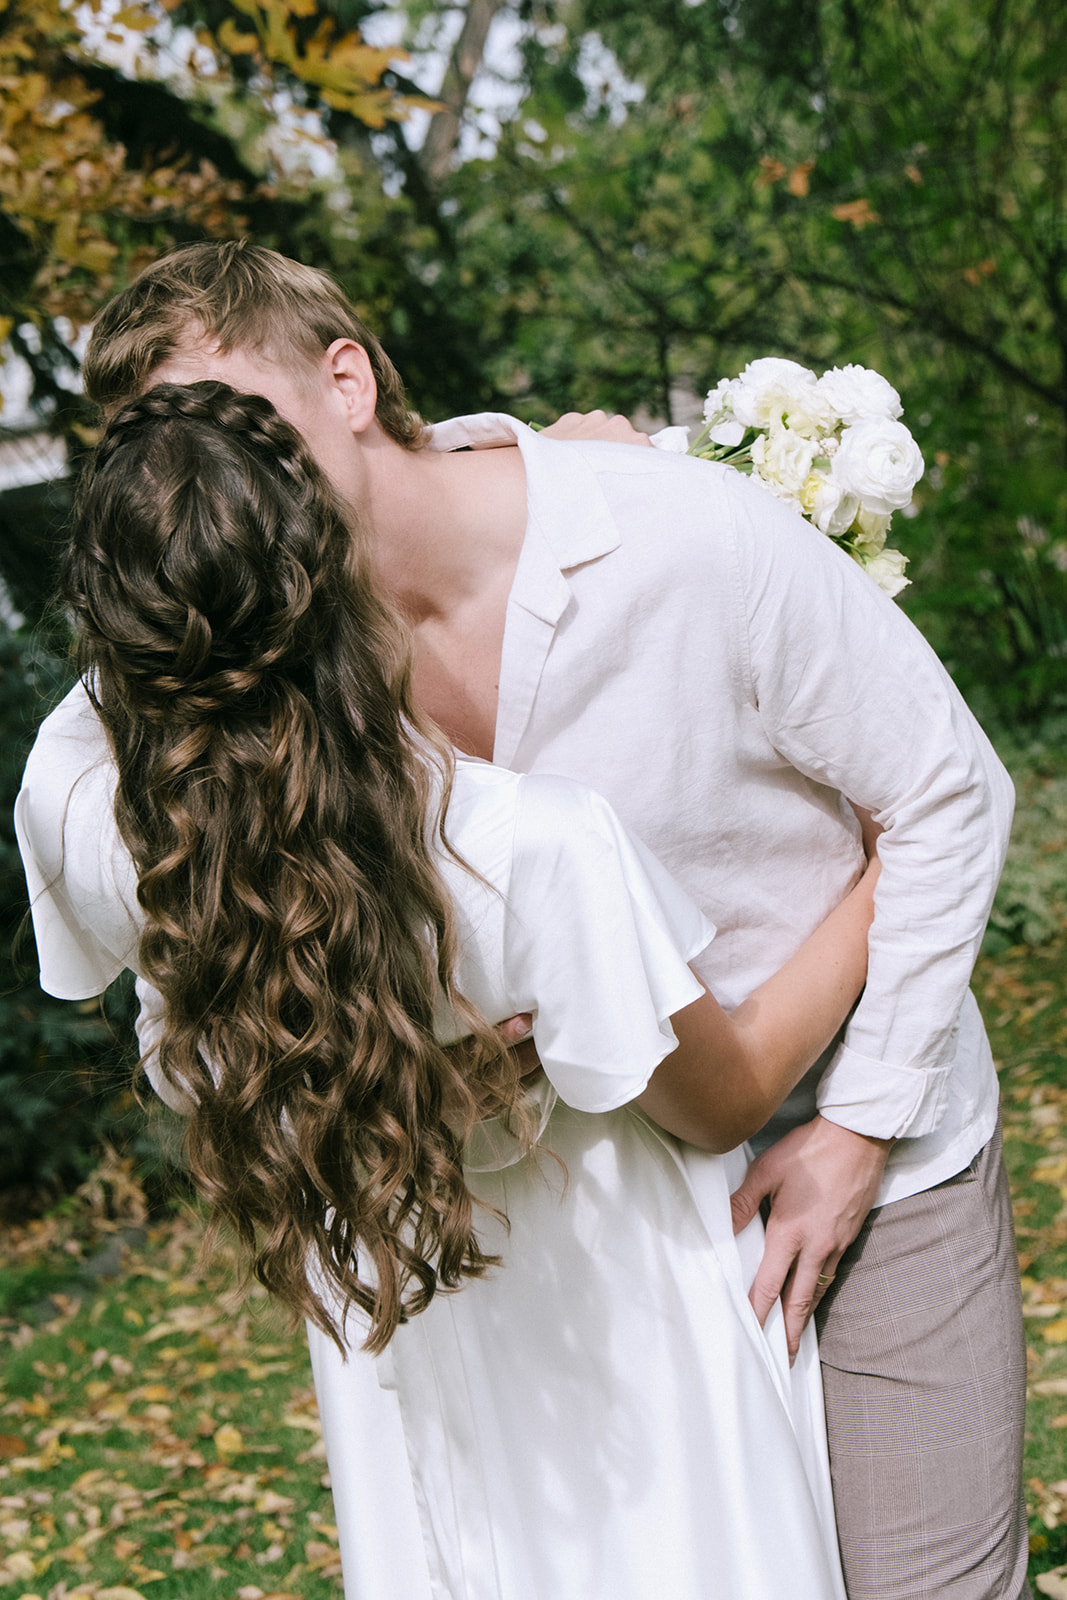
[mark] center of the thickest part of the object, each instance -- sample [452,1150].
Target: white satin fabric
[600,1418]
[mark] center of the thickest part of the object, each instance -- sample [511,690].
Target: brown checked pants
[924,1370]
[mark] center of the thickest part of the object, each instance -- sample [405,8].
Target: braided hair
[274,790]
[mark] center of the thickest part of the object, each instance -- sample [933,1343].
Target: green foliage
[65,1070]
[989,553]
[1031,903]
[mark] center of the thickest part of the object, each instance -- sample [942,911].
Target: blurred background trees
[547,204]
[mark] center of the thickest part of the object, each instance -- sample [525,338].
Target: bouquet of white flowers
[832,447]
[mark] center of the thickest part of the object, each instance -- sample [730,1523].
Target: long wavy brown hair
[282,802]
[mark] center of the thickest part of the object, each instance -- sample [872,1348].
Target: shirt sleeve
[852,696]
[597,945]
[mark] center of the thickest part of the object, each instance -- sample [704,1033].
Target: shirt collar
[566,504]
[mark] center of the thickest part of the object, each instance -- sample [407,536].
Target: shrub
[1031,903]
[66,1070]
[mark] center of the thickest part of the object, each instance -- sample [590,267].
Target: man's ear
[350,369]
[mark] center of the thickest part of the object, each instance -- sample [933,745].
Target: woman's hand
[517,1034]
[595,425]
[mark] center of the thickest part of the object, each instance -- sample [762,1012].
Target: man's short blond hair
[236,296]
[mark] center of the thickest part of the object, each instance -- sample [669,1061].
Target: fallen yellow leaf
[270,1501]
[228,1440]
[153,1391]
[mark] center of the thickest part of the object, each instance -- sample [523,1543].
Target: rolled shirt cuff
[883,1101]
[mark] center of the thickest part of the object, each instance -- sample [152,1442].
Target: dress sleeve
[81,880]
[597,945]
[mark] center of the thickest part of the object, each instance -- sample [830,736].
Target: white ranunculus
[887,570]
[827,504]
[806,412]
[675,440]
[871,528]
[768,389]
[782,460]
[853,393]
[880,463]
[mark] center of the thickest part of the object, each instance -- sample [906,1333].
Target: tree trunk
[435,157]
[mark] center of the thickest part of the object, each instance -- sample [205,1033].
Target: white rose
[675,440]
[853,393]
[887,570]
[782,460]
[879,462]
[826,503]
[768,389]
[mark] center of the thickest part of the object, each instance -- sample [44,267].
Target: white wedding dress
[600,1418]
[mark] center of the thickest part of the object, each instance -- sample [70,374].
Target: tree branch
[935,320]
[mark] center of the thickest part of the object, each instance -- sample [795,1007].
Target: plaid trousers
[924,1372]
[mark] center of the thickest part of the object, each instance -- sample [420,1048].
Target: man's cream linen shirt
[724,675]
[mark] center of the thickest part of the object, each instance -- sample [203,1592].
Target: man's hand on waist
[820,1181]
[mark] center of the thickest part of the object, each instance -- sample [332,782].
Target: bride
[539,1374]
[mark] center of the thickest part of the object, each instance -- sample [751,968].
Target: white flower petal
[675,440]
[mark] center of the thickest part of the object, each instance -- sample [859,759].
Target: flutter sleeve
[82,883]
[597,945]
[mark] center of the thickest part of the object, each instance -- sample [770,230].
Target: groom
[665,631]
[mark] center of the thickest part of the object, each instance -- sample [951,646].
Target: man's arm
[852,696]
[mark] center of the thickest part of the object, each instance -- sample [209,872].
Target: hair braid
[274,789]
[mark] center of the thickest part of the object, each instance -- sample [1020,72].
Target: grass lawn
[159,1440]
[1024,1000]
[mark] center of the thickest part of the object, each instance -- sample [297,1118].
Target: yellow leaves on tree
[68,188]
[63,183]
[770,171]
[346,72]
[859,213]
[977,274]
[796,177]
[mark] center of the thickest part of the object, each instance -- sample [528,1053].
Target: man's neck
[446,530]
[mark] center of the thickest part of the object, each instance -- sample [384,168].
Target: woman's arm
[731,1071]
